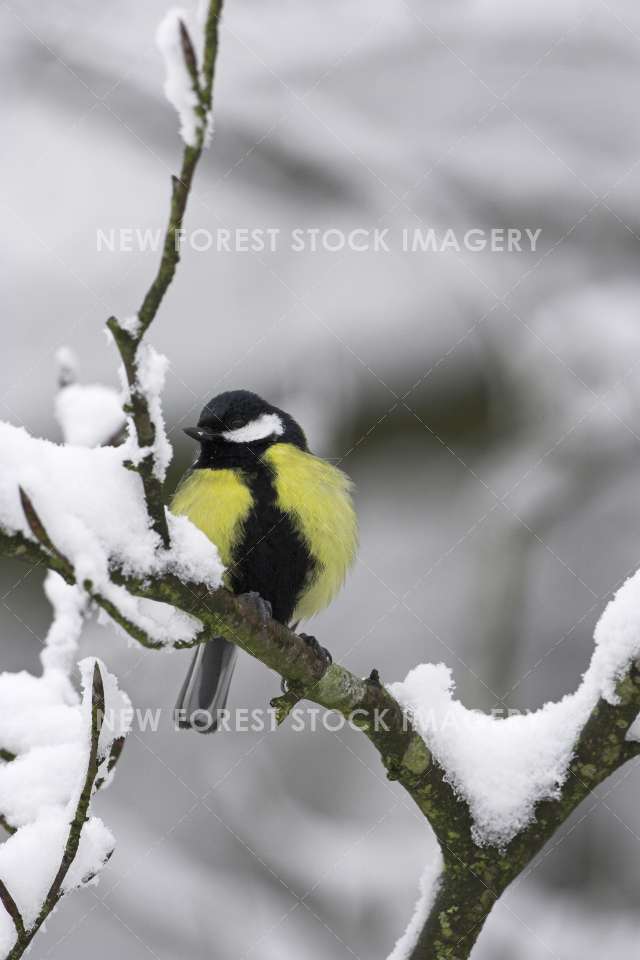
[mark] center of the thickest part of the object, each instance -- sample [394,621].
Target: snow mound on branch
[152,371]
[178,86]
[151,374]
[94,511]
[503,767]
[89,414]
[61,643]
[49,730]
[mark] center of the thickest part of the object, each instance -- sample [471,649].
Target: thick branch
[474,877]
[128,340]
[244,621]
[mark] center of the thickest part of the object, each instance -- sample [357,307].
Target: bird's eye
[234,422]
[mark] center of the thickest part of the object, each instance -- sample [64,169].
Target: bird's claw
[262,606]
[315,646]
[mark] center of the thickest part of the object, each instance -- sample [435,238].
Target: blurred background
[485,403]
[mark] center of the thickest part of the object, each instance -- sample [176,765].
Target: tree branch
[55,892]
[5,825]
[128,338]
[12,909]
[474,876]
[244,620]
[50,555]
[7,756]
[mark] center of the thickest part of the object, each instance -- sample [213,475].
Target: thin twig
[114,755]
[12,909]
[128,343]
[75,828]
[6,825]
[35,523]
[61,565]
[190,59]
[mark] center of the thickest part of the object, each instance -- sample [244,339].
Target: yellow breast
[218,502]
[317,496]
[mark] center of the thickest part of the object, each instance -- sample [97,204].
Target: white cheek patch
[262,427]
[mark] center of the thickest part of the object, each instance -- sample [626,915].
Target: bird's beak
[201,434]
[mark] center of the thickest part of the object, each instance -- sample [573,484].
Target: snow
[69,604]
[94,511]
[131,325]
[30,859]
[89,414]
[428,890]
[36,711]
[178,87]
[152,371]
[42,777]
[504,766]
[49,730]
[67,364]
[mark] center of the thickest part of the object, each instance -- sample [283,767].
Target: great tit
[281,518]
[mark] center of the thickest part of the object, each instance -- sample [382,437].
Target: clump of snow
[428,889]
[36,711]
[94,511]
[30,858]
[152,371]
[69,604]
[67,363]
[131,325]
[504,766]
[41,777]
[89,414]
[178,86]
[49,730]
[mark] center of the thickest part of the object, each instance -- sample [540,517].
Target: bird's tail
[206,687]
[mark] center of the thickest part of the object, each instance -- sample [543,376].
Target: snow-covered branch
[494,790]
[189,88]
[519,778]
[59,752]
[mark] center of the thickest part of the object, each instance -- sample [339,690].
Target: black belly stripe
[272,558]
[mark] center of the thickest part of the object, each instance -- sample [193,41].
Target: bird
[282,519]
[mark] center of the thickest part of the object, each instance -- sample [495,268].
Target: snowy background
[485,404]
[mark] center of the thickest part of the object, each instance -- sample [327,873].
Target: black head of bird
[239,425]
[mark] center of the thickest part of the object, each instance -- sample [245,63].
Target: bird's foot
[263,607]
[317,649]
